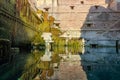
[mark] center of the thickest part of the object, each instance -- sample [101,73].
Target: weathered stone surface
[91,17]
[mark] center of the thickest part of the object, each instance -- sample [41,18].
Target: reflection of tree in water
[36,68]
[30,68]
[73,50]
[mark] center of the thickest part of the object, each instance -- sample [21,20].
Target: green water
[92,63]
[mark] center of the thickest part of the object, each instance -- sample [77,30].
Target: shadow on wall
[22,37]
[4,31]
[97,65]
[98,28]
[17,33]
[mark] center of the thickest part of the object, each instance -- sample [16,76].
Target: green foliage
[55,35]
[55,57]
[31,68]
[58,41]
[59,49]
[38,40]
[44,65]
[44,27]
[75,43]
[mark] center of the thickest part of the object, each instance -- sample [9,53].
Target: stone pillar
[55,3]
[48,39]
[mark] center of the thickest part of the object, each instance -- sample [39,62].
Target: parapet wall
[12,26]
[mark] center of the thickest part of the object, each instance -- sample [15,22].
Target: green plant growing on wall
[42,24]
[57,40]
[46,26]
[75,42]
[38,40]
[48,21]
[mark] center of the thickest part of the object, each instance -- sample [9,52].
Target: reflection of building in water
[71,70]
[100,50]
[69,56]
[48,64]
[62,64]
[100,55]
[4,51]
[101,61]
[47,56]
[93,64]
[70,67]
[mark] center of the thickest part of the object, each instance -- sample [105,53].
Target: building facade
[18,21]
[96,21]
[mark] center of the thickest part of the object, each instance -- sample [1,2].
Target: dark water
[64,64]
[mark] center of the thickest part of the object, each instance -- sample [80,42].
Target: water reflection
[66,63]
[40,65]
[101,63]
[44,65]
[47,56]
